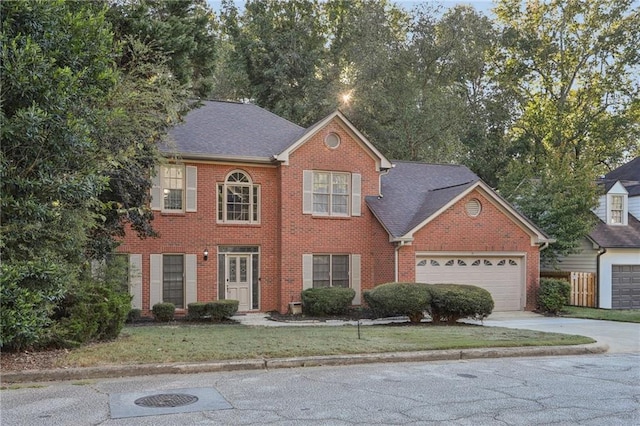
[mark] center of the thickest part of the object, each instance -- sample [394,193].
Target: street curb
[313,361]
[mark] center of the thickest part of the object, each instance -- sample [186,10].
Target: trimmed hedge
[197,311]
[553,295]
[390,299]
[164,312]
[327,301]
[221,309]
[451,302]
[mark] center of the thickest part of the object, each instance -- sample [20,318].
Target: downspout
[397,258]
[600,253]
[382,173]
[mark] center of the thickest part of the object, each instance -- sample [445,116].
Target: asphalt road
[586,390]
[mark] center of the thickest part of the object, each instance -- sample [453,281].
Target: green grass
[200,343]
[626,315]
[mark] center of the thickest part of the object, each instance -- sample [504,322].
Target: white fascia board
[537,237]
[381,160]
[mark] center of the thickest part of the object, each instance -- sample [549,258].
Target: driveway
[622,337]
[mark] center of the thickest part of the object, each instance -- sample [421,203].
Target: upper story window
[331,193]
[238,199]
[172,182]
[175,188]
[617,209]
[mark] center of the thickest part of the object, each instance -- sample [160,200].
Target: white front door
[238,279]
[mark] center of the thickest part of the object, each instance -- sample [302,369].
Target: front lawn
[624,315]
[211,342]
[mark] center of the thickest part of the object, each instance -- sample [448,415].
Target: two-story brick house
[250,206]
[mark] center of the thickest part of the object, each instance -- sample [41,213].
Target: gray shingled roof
[229,129]
[612,236]
[412,192]
[628,174]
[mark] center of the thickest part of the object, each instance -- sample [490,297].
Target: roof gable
[618,189]
[231,130]
[628,175]
[413,194]
[381,161]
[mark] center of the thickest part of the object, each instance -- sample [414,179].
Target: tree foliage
[82,114]
[572,69]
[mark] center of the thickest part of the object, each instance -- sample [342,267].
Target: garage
[625,286]
[502,276]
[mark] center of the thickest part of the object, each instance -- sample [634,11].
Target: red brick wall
[191,233]
[491,231]
[308,234]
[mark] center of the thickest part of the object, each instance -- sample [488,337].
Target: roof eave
[226,158]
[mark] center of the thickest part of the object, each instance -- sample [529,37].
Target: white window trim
[354,198]
[625,210]
[221,214]
[189,189]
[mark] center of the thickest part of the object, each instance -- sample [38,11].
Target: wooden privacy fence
[583,289]
[583,286]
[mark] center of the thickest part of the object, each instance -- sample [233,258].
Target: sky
[483,6]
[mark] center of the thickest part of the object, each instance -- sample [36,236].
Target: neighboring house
[250,206]
[612,249]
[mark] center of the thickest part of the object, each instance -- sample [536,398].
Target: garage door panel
[625,286]
[501,276]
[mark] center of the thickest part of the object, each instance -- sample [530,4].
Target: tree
[81,119]
[183,34]
[279,46]
[572,68]
[57,64]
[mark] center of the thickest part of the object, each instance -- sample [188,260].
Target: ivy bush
[327,301]
[451,302]
[164,312]
[553,295]
[390,299]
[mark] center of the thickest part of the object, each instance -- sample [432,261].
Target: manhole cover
[166,400]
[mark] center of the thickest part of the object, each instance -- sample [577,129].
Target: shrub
[92,309]
[391,299]
[451,302]
[197,311]
[164,312]
[29,291]
[553,295]
[327,301]
[134,315]
[221,309]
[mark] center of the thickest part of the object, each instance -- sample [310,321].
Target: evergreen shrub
[553,295]
[327,300]
[164,312]
[221,309]
[391,299]
[451,302]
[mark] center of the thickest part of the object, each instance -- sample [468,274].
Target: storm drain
[166,400]
[139,404]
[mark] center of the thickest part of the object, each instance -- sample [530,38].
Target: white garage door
[502,276]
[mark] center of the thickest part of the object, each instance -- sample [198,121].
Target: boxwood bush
[197,311]
[163,312]
[221,309]
[390,299]
[451,302]
[327,301]
[553,295]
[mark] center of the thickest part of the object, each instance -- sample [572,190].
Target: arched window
[238,199]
